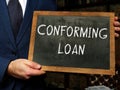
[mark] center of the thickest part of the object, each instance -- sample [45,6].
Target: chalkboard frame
[111,71]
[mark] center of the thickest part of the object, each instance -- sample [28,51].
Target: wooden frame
[110,71]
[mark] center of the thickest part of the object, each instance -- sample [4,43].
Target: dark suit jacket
[11,49]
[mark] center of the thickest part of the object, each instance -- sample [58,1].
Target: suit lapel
[27,19]
[6,21]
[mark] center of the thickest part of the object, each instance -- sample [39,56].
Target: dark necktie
[16,15]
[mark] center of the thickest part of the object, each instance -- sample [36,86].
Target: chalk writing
[69,31]
[76,31]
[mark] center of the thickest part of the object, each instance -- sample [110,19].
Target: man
[16,72]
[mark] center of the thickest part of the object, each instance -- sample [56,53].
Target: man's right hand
[24,69]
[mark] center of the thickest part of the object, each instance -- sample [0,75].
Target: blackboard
[73,42]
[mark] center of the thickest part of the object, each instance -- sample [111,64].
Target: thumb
[34,65]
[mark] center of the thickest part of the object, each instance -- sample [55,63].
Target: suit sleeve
[3,67]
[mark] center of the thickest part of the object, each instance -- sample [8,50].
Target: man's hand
[117,26]
[24,69]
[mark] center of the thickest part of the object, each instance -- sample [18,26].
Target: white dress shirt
[23,5]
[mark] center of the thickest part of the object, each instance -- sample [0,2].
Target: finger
[36,72]
[116,18]
[117,28]
[116,23]
[116,35]
[23,77]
